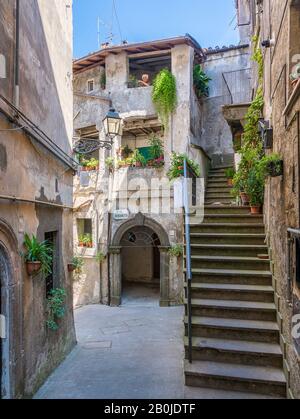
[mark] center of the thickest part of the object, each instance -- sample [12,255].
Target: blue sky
[211,22]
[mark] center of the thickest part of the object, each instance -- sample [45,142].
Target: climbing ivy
[164,95]
[55,307]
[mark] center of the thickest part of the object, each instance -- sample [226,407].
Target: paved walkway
[131,352]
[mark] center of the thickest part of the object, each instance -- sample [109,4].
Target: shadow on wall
[41,92]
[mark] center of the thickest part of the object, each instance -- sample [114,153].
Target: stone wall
[230,83]
[280,21]
[31,172]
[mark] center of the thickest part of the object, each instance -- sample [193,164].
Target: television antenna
[110,36]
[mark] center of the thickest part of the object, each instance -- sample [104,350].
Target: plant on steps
[229,173]
[164,95]
[255,188]
[177,166]
[55,307]
[38,255]
[176,250]
[201,82]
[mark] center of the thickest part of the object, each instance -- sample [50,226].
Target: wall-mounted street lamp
[112,126]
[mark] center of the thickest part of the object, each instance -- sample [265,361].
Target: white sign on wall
[2,67]
[120,215]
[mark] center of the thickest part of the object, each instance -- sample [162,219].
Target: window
[85,232]
[90,85]
[144,67]
[51,237]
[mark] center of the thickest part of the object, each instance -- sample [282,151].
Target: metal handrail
[189,276]
[292,234]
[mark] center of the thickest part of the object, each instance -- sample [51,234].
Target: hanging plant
[56,307]
[164,95]
[38,255]
[201,82]
[177,166]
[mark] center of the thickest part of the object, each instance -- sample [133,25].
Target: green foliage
[38,252]
[110,163]
[93,162]
[55,307]
[254,186]
[86,238]
[164,95]
[177,166]
[156,147]
[229,173]
[137,157]
[258,57]
[100,257]
[103,80]
[271,163]
[201,81]
[133,81]
[78,264]
[176,250]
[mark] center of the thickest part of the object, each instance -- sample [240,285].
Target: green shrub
[55,307]
[164,95]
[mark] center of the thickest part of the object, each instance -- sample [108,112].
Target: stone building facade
[36,185]
[114,232]
[277,24]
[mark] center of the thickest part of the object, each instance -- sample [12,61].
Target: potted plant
[138,160]
[255,189]
[201,82]
[158,163]
[93,164]
[76,265]
[177,166]
[83,164]
[176,250]
[38,255]
[272,165]
[229,173]
[156,148]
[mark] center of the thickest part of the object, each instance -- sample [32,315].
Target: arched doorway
[5,274]
[140,263]
[139,252]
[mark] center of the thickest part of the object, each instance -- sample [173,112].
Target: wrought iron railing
[189,275]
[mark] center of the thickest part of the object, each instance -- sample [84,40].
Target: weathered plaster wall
[232,65]
[133,103]
[29,171]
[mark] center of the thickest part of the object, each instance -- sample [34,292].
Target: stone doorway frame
[12,301]
[116,259]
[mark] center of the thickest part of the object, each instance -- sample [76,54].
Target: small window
[90,85]
[85,232]
[51,237]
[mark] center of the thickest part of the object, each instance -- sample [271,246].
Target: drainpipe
[17,56]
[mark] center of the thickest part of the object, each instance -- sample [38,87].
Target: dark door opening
[140,265]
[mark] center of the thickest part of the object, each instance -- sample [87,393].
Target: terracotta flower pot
[71,267]
[33,267]
[230,182]
[245,199]
[256,209]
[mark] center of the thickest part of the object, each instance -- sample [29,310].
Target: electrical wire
[14,129]
[117,19]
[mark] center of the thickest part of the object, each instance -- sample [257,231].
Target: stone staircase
[236,338]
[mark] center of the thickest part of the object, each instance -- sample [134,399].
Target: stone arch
[11,309]
[116,260]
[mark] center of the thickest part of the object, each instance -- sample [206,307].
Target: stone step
[233,309]
[249,378]
[231,228]
[232,277]
[234,329]
[228,250]
[215,190]
[225,209]
[238,292]
[230,262]
[218,194]
[233,218]
[236,352]
[220,201]
[218,184]
[228,238]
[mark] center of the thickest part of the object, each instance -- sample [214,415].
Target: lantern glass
[112,124]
